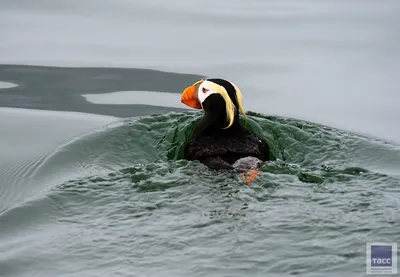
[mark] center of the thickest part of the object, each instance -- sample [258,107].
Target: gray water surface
[335,62]
[84,192]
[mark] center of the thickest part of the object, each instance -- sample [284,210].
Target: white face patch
[204,92]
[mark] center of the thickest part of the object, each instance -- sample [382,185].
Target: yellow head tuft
[230,107]
[239,99]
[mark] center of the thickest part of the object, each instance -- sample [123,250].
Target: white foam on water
[153,98]
[4,85]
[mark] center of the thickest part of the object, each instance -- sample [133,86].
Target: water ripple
[122,197]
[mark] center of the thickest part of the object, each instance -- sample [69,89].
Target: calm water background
[67,209]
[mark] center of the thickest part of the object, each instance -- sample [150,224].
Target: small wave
[134,169]
[310,152]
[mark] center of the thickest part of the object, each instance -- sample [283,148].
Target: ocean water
[92,178]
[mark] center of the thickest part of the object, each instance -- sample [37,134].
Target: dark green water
[120,201]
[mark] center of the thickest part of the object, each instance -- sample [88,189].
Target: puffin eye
[204,90]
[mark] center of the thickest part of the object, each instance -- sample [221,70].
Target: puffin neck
[215,124]
[215,121]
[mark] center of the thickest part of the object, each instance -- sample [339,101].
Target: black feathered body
[220,150]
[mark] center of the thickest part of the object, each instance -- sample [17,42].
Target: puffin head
[217,97]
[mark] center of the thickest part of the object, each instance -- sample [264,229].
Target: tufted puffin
[219,140]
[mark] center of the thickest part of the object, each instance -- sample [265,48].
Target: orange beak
[189,97]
